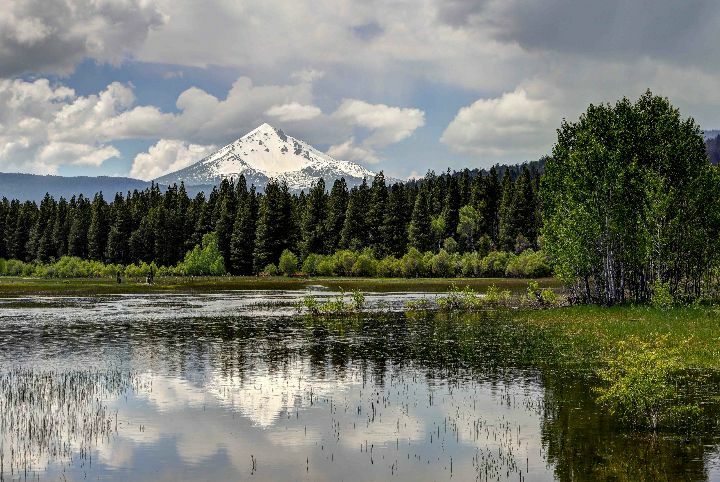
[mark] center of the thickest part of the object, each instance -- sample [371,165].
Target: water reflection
[139,388]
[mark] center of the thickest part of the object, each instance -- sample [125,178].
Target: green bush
[495,263]
[639,383]
[388,267]
[204,259]
[288,264]
[412,265]
[528,264]
[661,296]
[326,266]
[310,264]
[271,270]
[443,264]
[365,265]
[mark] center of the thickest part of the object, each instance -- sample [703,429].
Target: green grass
[587,334]
[10,286]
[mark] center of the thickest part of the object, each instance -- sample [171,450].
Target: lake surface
[239,386]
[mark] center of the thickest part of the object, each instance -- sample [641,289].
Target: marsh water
[238,386]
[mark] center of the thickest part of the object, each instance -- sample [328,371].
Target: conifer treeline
[461,211]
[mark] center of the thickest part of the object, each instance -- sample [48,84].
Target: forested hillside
[455,212]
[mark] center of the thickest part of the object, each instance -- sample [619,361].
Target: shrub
[661,296]
[388,267]
[344,262]
[638,383]
[288,263]
[495,296]
[529,264]
[310,264]
[358,300]
[470,264]
[365,265]
[204,259]
[412,264]
[326,266]
[271,270]
[495,263]
[442,264]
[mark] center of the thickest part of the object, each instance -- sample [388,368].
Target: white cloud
[511,125]
[389,124]
[167,156]
[44,126]
[307,75]
[348,151]
[293,112]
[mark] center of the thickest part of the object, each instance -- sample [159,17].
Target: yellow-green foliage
[638,385]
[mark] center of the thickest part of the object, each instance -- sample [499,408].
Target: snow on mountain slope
[264,153]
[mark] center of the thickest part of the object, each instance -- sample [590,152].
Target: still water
[238,386]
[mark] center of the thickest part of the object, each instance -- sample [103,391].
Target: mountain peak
[265,129]
[267,152]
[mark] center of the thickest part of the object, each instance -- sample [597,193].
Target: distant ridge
[33,187]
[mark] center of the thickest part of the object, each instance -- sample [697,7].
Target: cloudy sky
[144,87]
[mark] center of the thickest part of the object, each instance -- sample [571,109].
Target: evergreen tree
[118,249]
[41,243]
[354,234]
[314,220]
[492,196]
[78,234]
[225,218]
[61,228]
[99,228]
[242,242]
[419,232]
[4,212]
[376,214]
[523,207]
[452,207]
[337,206]
[394,228]
[274,222]
[506,225]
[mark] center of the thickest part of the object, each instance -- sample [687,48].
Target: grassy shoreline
[21,286]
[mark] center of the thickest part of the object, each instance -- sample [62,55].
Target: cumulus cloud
[166,156]
[293,112]
[42,36]
[510,125]
[389,124]
[37,122]
[45,126]
[349,151]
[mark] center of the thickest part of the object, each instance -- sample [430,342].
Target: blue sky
[140,87]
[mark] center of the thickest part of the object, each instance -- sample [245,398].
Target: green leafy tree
[288,263]
[629,198]
[204,259]
[469,226]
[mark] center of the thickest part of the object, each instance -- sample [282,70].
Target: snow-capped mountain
[264,153]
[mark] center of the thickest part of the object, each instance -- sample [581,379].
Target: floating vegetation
[336,305]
